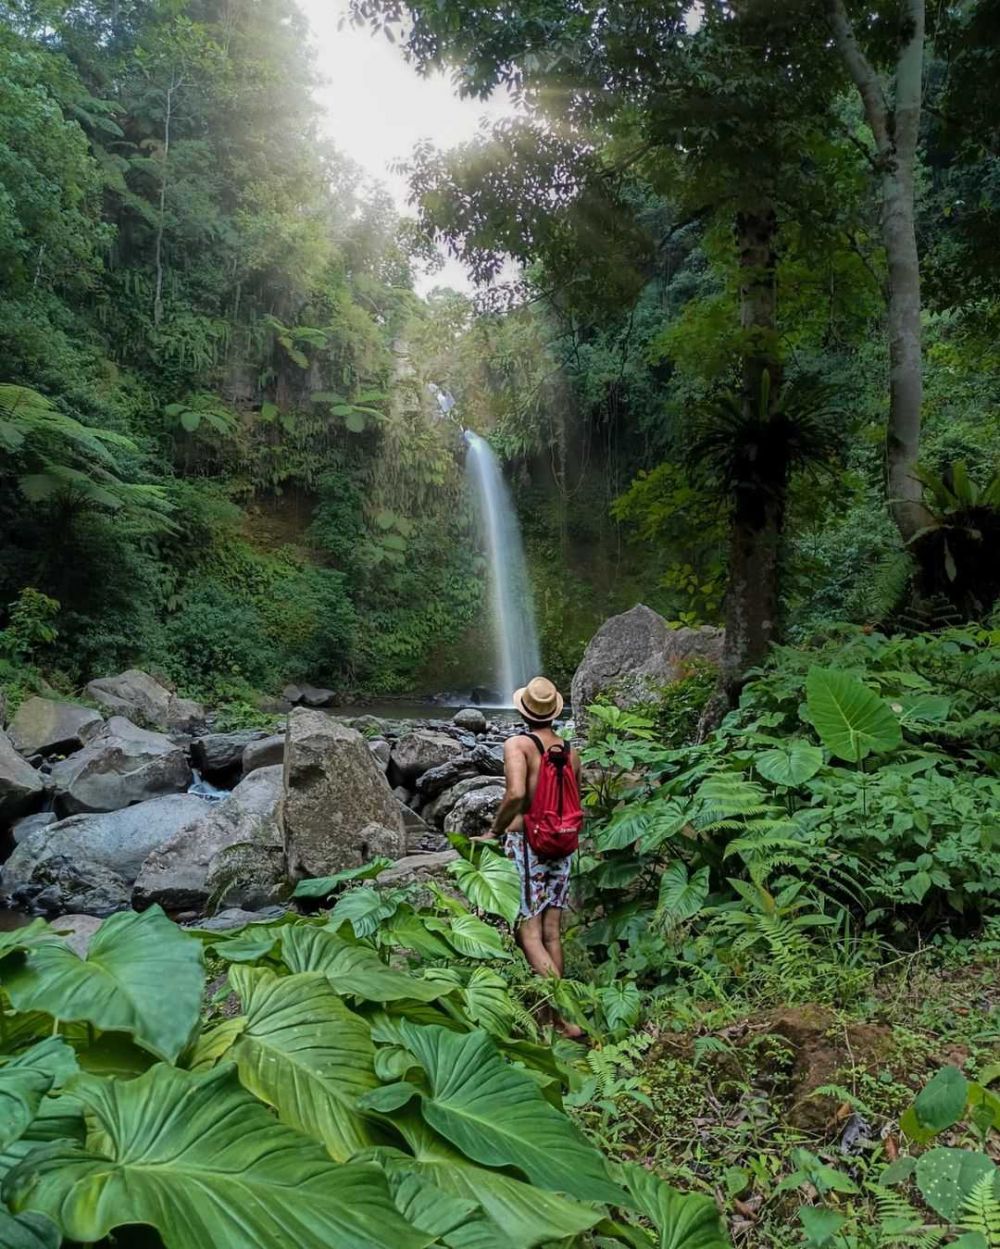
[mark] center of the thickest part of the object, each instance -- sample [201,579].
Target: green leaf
[304,1053]
[682,1220]
[470,936]
[323,886]
[621,1004]
[492,884]
[353,968]
[409,931]
[820,1225]
[681,896]
[791,764]
[268,411]
[199,1159]
[498,1117]
[27,1231]
[190,421]
[364,909]
[946,1177]
[850,720]
[356,422]
[528,1215]
[121,986]
[941,1102]
[487,1003]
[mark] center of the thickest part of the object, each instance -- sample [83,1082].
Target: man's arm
[515,770]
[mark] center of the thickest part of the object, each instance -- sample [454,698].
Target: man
[544,880]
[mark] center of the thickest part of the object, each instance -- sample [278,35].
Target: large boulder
[417,752]
[88,863]
[441,778]
[29,824]
[21,787]
[473,813]
[418,869]
[444,804]
[44,726]
[334,790]
[471,719]
[264,753]
[143,700]
[232,854]
[221,754]
[632,657]
[121,765]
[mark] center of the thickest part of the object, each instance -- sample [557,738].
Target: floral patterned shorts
[544,882]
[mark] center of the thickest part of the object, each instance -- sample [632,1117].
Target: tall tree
[893,117]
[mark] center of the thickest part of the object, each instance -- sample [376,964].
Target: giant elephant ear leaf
[682,1220]
[790,764]
[142,975]
[498,1117]
[491,883]
[304,1053]
[27,1231]
[25,1080]
[850,719]
[199,1159]
[353,969]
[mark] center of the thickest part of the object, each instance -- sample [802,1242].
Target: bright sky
[378,107]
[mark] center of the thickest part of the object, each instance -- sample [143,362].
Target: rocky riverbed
[140,802]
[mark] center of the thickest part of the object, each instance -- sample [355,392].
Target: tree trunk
[758,504]
[895,130]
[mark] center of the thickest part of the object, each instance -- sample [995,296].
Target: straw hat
[539,700]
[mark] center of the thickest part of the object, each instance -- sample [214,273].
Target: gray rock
[418,868]
[44,726]
[291,693]
[88,863]
[334,792]
[233,853]
[120,765]
[29,824]
[370,726]
[21,787]
[143,700]
[471,719]
[314,696]
[488,759]
[473,813]
[237,917]
[78,931]
[441,807]
[437,780]
[633,656]
[217,754]
[264,753]
[418,752]
[381,750]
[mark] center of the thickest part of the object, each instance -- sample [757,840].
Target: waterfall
[515,635]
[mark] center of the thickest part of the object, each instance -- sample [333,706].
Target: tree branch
[865,78]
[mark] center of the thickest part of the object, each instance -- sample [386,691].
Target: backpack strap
[538,742]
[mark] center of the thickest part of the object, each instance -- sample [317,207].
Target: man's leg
[552,936]
[531,940]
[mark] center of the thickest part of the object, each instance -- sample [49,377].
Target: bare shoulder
[514,746]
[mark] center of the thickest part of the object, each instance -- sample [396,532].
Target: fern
[902,1225]
[982,1211]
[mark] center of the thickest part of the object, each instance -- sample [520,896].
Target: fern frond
[982,1211]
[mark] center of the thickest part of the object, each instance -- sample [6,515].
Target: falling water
[515,634]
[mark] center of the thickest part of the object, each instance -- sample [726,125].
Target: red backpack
[553,821]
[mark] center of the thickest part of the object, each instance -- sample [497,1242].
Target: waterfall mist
[517,658]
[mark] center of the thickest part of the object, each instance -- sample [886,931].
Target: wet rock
[78,931]
[29,824]
[21,787]
[142,699]
[422,750]
[88,863]
[418,869]
[471,719]
[44,726]
[442,806]
[314,696]
[221,754]
[381,750]
[237,917]
[264,753]
[488,759]
[120,765]
[633,656]
[233,854]
[437,780]
[335,792]
[473,813]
